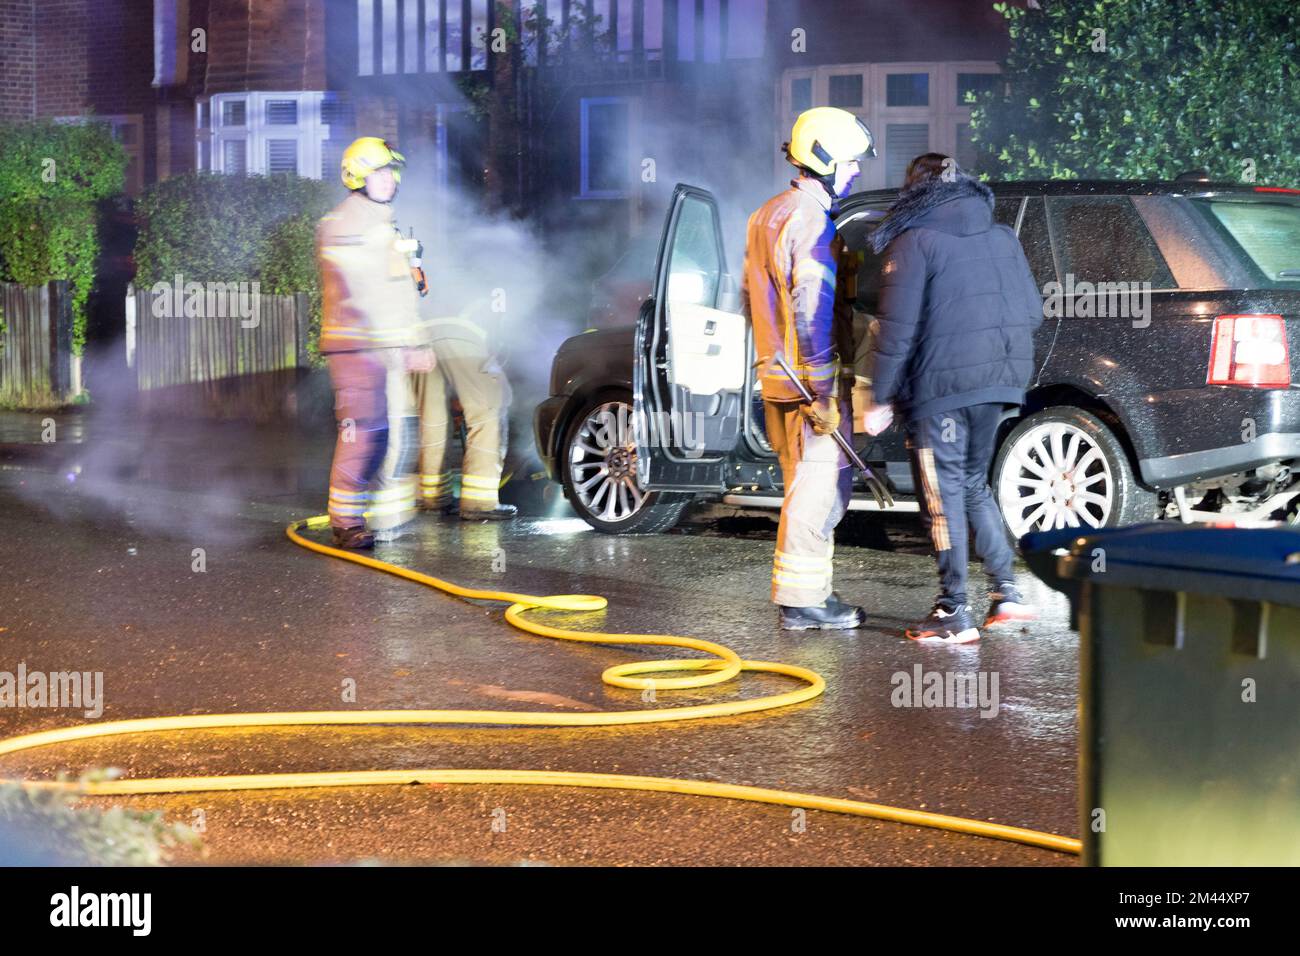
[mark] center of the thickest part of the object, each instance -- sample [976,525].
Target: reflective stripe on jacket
[369,295]
[788,292]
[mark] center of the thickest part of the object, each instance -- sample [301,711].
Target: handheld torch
[416,250]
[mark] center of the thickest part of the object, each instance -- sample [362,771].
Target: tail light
[1250,351]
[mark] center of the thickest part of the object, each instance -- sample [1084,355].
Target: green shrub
[209,227]
[52,177]
[1195,84]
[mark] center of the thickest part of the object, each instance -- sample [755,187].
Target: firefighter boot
[354,538]
[831,615]
[499,512]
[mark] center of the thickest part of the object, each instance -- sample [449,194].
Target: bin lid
[1253,564]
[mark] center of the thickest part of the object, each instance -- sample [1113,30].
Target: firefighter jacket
[369,295]
[789,292]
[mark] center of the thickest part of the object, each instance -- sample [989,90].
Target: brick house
[703,90]
[73,58]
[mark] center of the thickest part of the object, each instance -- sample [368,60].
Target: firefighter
[371,336]
[469,367]
[789,296]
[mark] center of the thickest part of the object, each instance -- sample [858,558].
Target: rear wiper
[1288,274]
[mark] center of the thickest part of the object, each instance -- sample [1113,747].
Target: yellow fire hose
[723,666]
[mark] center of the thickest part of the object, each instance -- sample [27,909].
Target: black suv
[1164,383]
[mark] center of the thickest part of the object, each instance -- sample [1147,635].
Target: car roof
[1101,187]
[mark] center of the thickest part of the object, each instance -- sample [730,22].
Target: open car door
[692,345]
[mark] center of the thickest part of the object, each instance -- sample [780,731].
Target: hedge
[52,177]
[210,227]
[1146,89]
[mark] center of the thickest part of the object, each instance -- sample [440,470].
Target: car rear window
[1266,232]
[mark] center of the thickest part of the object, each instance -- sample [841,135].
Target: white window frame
[943,114]
[632,103]
[309,132]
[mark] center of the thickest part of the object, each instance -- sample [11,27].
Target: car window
[1037,246]
[1267,232]
[1007,209]
[694,265]
[856,226]
[855,229]
[1103,239]
[869,275]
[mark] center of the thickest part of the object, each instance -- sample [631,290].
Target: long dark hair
[924,167]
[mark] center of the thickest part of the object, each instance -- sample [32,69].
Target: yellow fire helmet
[824,136]
[367,154]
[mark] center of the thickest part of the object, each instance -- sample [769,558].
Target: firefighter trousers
[818,482]
[467,371]
[361,409]
[393,502]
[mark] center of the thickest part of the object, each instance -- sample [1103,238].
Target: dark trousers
[951,453]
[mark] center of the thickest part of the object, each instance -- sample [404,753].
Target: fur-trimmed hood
[962,207]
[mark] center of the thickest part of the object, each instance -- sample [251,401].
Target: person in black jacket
[951,353]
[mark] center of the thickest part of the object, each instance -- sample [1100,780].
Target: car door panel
[691,348]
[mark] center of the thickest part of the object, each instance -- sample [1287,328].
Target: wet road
[99,575]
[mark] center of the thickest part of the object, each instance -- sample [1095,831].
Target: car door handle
[710,326]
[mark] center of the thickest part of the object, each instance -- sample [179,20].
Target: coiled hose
[724,665]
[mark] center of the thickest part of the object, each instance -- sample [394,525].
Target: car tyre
[597,462]
[1065,468]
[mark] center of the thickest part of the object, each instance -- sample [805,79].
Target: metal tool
[877,487]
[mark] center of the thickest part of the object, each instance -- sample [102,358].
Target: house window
[282,156]
[338,123]
[234,156]
[478,38]
[365,37]
[411,38]
[388,34]
[973,85]
[907,89]
[234,113]
[846,90]
[300,133]
[903,143]
[281,112]
[801,94]
[414,36]
[454,33]
[606,152]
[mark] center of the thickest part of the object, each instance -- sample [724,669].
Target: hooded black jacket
[958,304]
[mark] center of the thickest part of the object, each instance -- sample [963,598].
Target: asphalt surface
[101,527]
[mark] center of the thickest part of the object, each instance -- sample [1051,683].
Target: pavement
[108,524]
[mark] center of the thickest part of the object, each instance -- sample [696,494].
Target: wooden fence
[223,366]
[37,367]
